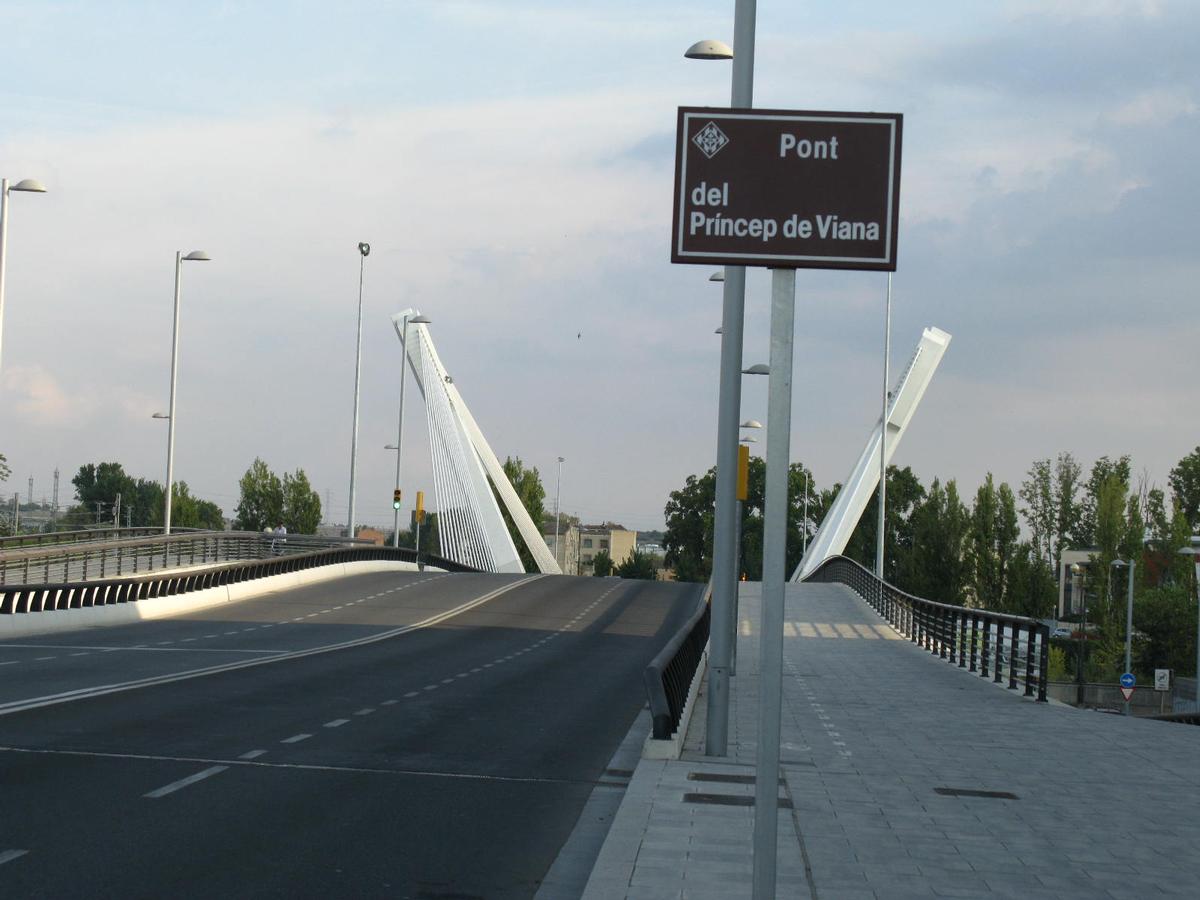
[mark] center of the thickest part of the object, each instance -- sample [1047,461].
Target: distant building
[565,548]
[619,543]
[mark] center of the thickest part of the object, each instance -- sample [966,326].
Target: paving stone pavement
[1106,806]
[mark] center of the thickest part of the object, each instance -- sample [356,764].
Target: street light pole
[29,185]
[364,249]
[1195,555]
[724,576]
[1077,573]
[194,256]
[557,497]
[881,532]
[1132,564]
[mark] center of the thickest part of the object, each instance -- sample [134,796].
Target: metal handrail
[668,678]
[972,638]
[70,563]
[80,536]
[30,598]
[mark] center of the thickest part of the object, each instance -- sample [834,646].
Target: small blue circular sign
[1127,680]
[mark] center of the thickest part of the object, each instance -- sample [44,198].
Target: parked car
[1061,632]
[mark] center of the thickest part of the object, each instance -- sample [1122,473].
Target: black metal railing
[975,639]
[103,558]
[32,598]
[669,676]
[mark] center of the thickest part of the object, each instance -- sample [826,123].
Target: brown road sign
[786,188]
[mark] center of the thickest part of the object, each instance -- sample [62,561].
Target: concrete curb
[52,621]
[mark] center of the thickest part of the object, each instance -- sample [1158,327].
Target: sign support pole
[724,572]
[779,425]
[881,533]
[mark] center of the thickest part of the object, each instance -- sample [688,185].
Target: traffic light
[396,498]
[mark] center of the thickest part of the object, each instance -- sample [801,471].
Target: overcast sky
[511,165]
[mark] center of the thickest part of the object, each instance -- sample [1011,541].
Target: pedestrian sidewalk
[879,740]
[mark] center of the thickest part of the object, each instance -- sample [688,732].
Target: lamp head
[31,185]
[717,276]
[757,369]
[419,320]
[709,50]
[198,256]
[364,248]
[752,423]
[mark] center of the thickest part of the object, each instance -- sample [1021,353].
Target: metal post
[363,249]
[400,416]
[1129,626]
[779,428]
[881,532]
[1196,561]
[724,578]
[3,248]
[171,408]
[558,552]
[804,537]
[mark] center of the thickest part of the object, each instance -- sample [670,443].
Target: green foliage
[935,568]
[1056,669]
[991,543]
[266,501]
[260,504]
[301,504]
[904,496]
[638,565]
[1167,616]
[141,501]
[1185,485]
[1104,472]
[602,564]
[1031,589]
[191,512]
[5,471]
[528,485]
[689,535]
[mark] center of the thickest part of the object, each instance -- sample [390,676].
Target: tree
[5,471]
[638,565]
[1031,590]
[904,495]
[1037,493]
[260,505]
[97,487]
[1167,616]
[1102,472]
[1185,485]
[301,504]
[934,569]
[689,535]
[191,512]
[528,485]
[991,543]
[602,564]
[1066,506]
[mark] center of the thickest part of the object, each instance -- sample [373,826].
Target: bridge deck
[873,727]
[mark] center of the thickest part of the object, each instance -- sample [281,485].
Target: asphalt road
[388,735]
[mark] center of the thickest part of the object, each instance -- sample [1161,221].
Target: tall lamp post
[1194,553]
[1132,565]
[27,185]
[557,497]
[364,250]
[1077,574]
[724,576]
[194,256]
[407,320]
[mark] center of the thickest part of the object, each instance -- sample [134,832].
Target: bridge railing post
[983,650]
[1012,657]
[998,653]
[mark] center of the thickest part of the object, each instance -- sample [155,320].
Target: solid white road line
[10,855]
[184,782]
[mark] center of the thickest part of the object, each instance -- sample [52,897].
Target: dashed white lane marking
[85,653]
[211,635]
[411,694]
[184,782]
[391,702]
[10,855]
[296,738]
[365,711]
[431,687]
[336,723]
[13,662]
[43,658]
[252,754]
[163,643]
[447,680]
